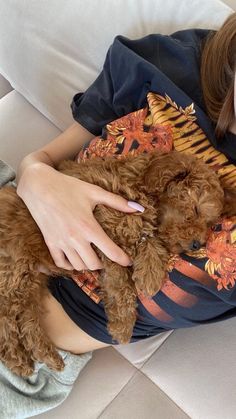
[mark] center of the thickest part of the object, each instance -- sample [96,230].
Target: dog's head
[189,199]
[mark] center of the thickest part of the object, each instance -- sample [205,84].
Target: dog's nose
[195,245]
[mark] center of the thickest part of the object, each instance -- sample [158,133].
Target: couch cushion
[98,385]
[22,128]
[196,368]
[5,86]
[57,48]
[138,353]
[141,399]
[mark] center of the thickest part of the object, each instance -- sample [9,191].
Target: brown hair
[218,66]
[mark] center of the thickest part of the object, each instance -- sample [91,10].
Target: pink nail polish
[136,206]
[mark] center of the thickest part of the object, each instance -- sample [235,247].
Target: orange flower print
[162,137]
[162,125]
[221,253]
[98,147]
[138,127]
[132,134]
[88,282]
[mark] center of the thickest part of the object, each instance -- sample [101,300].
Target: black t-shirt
[156,63]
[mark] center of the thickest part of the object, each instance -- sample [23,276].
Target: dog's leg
[119,297]
[32,335]
[149,266]
[12,352]
[22,339]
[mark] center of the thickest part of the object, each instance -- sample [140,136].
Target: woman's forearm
[64,146]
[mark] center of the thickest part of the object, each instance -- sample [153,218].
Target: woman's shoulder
[191,36]
[186,37]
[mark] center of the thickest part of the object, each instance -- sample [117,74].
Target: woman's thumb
[117,202]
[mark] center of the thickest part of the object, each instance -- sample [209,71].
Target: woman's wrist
[28,174]
[32,159]
[65,146]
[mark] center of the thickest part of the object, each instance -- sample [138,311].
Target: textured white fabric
[23,129]
[49,50]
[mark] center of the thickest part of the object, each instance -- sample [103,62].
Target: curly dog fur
[182,197]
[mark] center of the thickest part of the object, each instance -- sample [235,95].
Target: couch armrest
[5,86]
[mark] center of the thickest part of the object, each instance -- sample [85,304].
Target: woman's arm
[62,206]
[65,146]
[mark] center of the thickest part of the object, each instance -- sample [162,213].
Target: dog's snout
[195,245]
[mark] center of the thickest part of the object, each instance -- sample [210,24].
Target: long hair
[218,67]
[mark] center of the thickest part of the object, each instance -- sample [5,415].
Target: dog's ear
[229,206]
[166,168]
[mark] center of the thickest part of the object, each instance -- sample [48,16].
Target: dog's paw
[55,362]
[120,330]
[120,337]
[23,370]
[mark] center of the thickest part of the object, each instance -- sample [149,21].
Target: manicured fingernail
[136,206]
[130,264]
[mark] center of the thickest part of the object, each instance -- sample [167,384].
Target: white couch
[48,51]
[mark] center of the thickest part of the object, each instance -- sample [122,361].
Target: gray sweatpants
[22,398]
[45,389]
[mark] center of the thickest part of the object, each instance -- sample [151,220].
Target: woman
[113,94]
[189,66]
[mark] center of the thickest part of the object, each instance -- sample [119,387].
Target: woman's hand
[62,207]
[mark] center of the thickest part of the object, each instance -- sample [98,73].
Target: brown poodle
[182,197]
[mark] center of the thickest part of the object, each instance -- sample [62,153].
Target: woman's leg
[63,332]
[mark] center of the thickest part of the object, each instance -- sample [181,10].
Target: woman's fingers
[89,256]
[81,259]
[109,248]
[41,268]
[59,258]
[118,202]
[75,259]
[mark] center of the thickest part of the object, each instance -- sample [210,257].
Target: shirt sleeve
[118,90]
[132,68]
